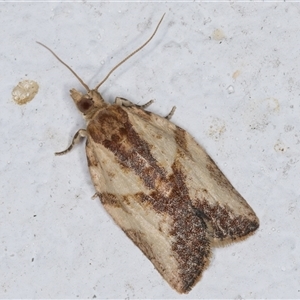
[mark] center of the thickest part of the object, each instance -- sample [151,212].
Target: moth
[159,185]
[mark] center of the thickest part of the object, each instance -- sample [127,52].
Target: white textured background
[232,70]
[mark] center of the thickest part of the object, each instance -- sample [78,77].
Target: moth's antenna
[134,52]
[85,86]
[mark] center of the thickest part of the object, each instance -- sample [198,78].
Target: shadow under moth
[159,185]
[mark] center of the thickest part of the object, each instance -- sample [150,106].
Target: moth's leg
[171,113]
[124,102]
[146,104]
[95,195]
[78,135]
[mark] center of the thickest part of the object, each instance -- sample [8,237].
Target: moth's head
[92,101]
[88,104]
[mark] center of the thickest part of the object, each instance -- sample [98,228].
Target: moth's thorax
[111,124]
[88,104]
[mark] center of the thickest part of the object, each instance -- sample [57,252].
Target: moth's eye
[85,104]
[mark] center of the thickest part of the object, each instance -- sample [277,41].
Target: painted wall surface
[232,70]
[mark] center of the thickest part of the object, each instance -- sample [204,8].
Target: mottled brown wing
[164,191]
[226,213]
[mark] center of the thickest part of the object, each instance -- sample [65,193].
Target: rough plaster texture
[232,70]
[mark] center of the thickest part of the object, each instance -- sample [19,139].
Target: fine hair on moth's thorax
[158,184]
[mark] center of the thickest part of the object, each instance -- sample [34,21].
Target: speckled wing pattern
[164,191]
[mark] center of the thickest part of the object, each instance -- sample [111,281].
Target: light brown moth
[159,185]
